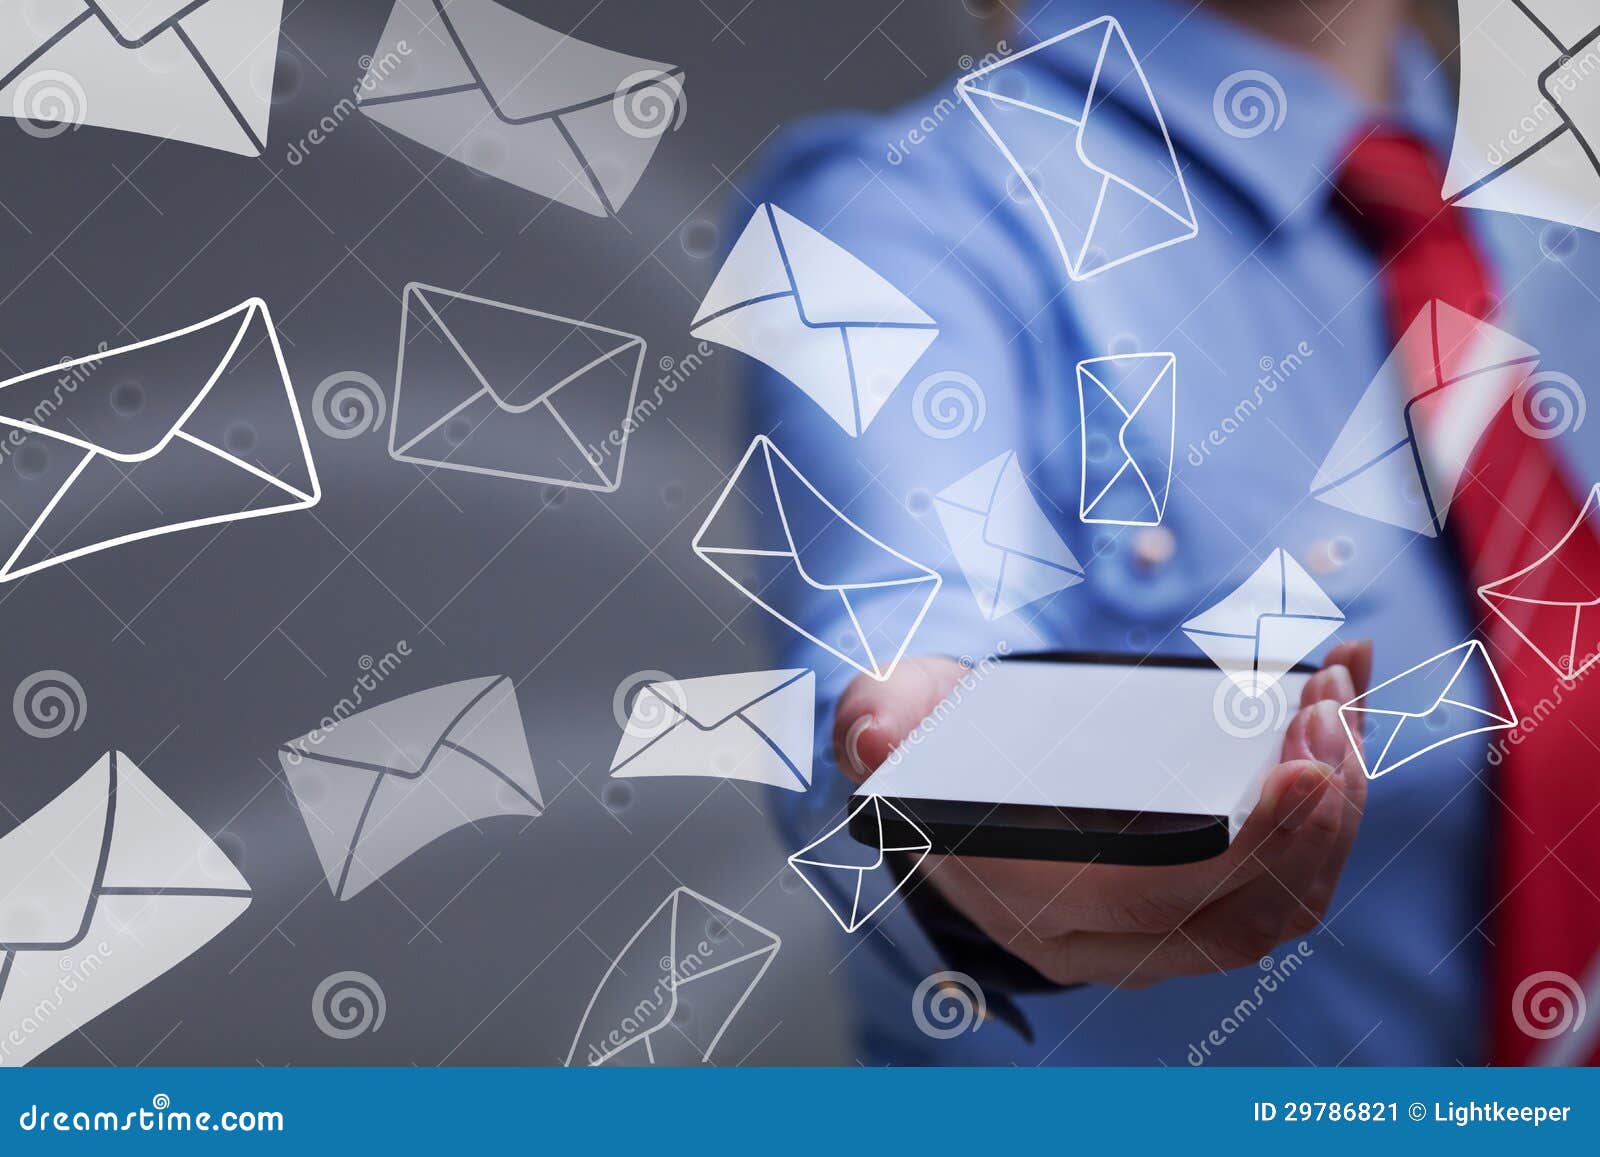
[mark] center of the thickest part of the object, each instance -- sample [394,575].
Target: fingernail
[1294,807]
[856,765]
[1344,686]
[1326,732]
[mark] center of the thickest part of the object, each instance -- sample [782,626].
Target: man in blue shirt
[1274,313]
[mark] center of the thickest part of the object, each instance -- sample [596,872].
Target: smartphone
[1084,757]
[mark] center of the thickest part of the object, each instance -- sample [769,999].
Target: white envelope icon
[377,787]
[194,428]
[1273,620]
[1554,605]
[795,301]
[758,727]
[105,888]
[546,112]
[691,946]
[199,71]
[495,389]
[1403,450]
[1007,548]
[1129,403]
[1426,707]
[1528,128]
[1104,204]
[836,865]
[797,557]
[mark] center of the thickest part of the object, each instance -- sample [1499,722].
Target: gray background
[201,652]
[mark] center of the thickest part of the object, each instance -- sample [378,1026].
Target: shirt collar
[1196,63]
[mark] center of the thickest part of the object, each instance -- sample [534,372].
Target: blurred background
[199,653]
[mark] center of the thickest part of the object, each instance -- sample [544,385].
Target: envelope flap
[1128,380]
[1280,587]
[1467,345]
[1017,523]
[837,848]
[710,702]
[398,737]
[50,863]
[975,491]
[831,551]
[1419,690]
[1118,90]
[835,287]
[530,71]
[156,846]
[708,935]
[491,732]
[127,402]
[555,352]
[136,22]
[1551,580]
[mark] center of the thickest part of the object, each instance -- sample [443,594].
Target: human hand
[1133,926]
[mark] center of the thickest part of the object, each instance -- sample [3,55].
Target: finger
[875,716]
[1050,900]
[1238,929]
[1334,681]
[1357,659]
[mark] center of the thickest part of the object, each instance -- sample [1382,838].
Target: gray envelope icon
[546,112]
[378,786]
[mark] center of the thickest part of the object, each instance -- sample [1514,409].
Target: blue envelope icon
[1427,707]
[1129,405]
[1105,203]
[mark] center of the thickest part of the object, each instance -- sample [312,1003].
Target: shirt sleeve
[998,379]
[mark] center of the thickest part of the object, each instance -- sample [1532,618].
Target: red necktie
[1512,507]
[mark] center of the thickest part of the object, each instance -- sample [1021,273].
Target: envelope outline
[1502,720]
[1438,504]
[93,10]
[1086,505]
[1256,681]
[687,717]
[671,905]
[419,292]
[666,75]
[769,451]
[860,422]
[303,500]
[1491,594]
[298,749]
[97,890]
[857,918]
[1074,572]
[1461,193]
[1190,222]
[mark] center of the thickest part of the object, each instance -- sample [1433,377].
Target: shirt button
[1154,546]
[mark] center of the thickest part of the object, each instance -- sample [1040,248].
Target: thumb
[874,717]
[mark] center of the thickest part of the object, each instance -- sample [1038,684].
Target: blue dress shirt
[1276,316]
